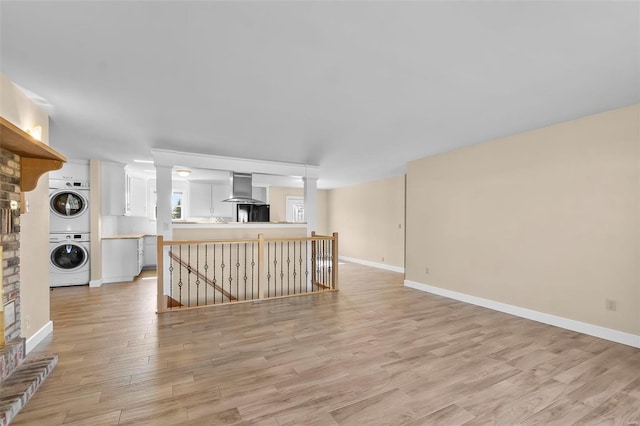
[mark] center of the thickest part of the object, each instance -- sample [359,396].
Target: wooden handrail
[246,240]
[260,264]
[202,277]
[334,255]
[313,258]
[228,241]
[323,285]
[321,280]
[161,305]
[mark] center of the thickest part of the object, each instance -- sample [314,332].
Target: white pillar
[163,192]
[163,215]
[311,203]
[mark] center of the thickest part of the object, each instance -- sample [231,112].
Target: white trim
[372,264]
[171,158]
[38,336]
[95,283]
[569,324]
[121,279]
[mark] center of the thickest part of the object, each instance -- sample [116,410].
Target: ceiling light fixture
[183,172]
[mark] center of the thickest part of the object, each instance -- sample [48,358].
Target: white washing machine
[69,259]
[69,206]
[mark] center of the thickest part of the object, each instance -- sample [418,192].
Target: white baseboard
[118,279]
[95,283]
[372,264]
[569,324]
[39,336]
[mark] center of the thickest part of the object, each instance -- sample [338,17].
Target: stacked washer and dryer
[70,232]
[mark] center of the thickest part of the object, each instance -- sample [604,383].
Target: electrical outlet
[383,258]
[426,271]
[27,321]
[610,305]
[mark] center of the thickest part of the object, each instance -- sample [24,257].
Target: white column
[163,192]
[311,203]
[163,224]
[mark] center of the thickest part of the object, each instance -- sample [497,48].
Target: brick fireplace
[13,352]
[23,160]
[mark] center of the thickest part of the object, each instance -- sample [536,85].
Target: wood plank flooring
[374,353]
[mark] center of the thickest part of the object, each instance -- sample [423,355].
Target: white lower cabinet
[122,259]
[150,252]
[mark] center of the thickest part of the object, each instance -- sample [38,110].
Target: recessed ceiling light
[144,161]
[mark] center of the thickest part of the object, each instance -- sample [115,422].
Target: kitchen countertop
[178,225]
[127,236]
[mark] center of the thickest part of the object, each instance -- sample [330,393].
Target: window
[295,209]
[177,211]
[176,205]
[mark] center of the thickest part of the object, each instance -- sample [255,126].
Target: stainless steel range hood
[242,189]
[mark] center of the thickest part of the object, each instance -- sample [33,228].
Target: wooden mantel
[36,158]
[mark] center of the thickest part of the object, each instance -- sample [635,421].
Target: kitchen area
[128,209]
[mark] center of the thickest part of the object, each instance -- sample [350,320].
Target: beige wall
[369,218]
[34,225]
[278,203]
[547,220]
[95,201]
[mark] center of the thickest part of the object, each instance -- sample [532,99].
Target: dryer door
[67,204]
[68,257]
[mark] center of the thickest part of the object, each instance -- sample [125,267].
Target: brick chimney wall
[10,240]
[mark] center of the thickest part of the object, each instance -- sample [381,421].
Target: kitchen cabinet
[140,254]
[136,196]
[113,189]
[222,191]
[122,194]
[259,193]
[150,251]
[205,199]
[122,259]
[201,199]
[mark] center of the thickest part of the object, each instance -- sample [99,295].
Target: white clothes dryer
[69,259]
[69,206]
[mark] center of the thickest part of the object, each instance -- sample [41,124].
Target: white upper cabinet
[259,193]
[113,189]
[122,194]
[201,196]
[136,196]
[222,191]
[205,199]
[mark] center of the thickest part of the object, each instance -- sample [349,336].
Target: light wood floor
[374,353]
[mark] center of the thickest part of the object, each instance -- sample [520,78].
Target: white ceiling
[358,88]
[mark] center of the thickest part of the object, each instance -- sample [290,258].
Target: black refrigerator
[253,212]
